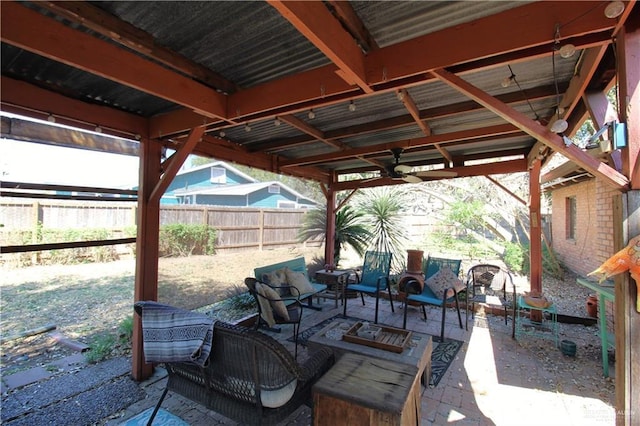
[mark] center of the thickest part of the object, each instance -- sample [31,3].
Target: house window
[274,189]
[571,212]
[218,175]
[286,204]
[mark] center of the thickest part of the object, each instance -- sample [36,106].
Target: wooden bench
[297,265]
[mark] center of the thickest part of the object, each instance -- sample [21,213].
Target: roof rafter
[52,39]
[508,166]
[536,130]
[502,129]
[135,39]
[462,43]
[320,27]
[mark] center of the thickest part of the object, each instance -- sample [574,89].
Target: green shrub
[125,330]
[184,240]
[515,256]
[101,347]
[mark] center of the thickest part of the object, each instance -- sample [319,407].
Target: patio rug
[162,418]
[441,357]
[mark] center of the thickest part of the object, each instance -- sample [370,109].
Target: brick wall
[593,242]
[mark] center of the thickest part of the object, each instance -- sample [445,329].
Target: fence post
[37,219]
[261,230]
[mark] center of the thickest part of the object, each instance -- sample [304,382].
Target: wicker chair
[245,368]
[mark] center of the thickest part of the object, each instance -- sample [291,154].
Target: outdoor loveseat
[249,377]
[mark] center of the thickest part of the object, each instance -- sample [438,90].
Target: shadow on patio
[489,373]
[493,379]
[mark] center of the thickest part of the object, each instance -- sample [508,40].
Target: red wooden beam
[316,23]
[47,37]
[536,130]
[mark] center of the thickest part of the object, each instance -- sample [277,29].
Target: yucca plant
[351,230]
[383,207]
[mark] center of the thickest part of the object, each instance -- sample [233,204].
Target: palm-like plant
[351,229]
[383,207]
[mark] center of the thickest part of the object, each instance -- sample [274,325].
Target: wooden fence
[237,228]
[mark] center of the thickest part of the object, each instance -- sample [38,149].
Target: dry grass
[91,299]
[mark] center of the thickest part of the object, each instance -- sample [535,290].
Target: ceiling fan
[403,171]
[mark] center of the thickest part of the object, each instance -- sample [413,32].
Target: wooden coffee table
[363,391]
[416,354]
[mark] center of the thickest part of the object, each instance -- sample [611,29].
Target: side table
[363,391]
[335,281]
[606,291]
[545,329]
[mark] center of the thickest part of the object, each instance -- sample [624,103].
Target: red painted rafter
[25,99]
[316,23]
[535,130]
[509,166]
[133,38]
[54,40]
[503,129]
[457,45]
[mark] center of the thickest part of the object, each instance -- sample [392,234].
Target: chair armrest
[293,291]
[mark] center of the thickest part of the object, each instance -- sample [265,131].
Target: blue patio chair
[430,295]
[373,279]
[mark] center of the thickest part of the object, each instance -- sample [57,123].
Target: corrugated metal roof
[250,43]
[396,21]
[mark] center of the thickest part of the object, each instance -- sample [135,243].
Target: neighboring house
[220,184]
[581,219]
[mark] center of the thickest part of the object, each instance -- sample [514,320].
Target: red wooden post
[146,284]
[535,232]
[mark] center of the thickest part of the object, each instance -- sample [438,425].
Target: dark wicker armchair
[250,377]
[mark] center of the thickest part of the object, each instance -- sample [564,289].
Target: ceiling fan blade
[436,173]
[402,168]
[371,179]
[412,179]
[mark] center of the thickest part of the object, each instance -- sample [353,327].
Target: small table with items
[335,280]
[417,353]
[546,328]
[360,390]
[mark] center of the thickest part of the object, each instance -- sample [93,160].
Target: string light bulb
[311,114]
[614,9]
[352,106]
[222,134]
[277,122]
[559,126]
[567,50]
[506,82]
[51,118]
[247,128]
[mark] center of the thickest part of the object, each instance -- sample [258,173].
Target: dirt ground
[83,301]
[88,300]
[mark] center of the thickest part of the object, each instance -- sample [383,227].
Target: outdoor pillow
[442,281]
[270,398]
[299,281]
[275,301]
[265,307]
[277,278]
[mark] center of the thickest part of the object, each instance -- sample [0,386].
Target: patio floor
[494,379]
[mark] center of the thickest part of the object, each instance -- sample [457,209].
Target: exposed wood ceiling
[422,76]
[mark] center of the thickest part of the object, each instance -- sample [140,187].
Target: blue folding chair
[427,296]
[373,279]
